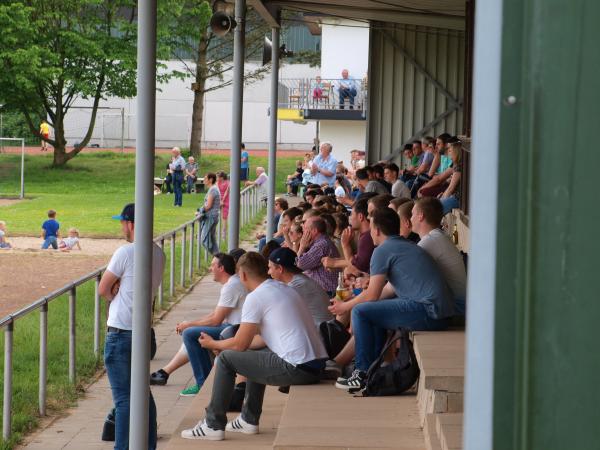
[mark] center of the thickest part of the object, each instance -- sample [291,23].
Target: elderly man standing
[191,171]
[324,166]
[177,167]
[346,89]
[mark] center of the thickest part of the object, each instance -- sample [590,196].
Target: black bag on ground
[334,335]
[400,374]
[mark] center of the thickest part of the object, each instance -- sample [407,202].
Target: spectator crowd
[364,249]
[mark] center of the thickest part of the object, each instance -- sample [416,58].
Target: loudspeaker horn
[221,24]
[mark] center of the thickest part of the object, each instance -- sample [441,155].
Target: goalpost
[22,141]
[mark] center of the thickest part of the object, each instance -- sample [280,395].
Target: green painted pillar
[547,325]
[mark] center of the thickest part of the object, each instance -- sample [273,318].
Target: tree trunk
[198,107]
[60,156]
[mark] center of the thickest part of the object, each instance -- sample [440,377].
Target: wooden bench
[198,185]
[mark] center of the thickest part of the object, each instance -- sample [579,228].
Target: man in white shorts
[294,353]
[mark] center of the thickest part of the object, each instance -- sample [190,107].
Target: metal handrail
[308,93]
[250,206]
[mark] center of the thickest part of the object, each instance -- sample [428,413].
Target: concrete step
[441,359]
[449,429]
[320,416]
[432,441]
[273,404]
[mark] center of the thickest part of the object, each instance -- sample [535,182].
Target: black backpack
[400,374]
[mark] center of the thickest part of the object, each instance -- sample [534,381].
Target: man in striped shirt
[314,246]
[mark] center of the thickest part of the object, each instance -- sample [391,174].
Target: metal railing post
[172,267]
[43,359]
[183,242]
[219,231]
[191,252]
[199,245]
[162,280]
[7,404]
[72,343]
[97,317]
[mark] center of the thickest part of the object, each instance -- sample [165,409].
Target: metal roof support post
[236,123]
[144,207]
[273,132]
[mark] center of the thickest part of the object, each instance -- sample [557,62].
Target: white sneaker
[203,431]
[239,425]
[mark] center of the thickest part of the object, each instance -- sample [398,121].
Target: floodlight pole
[236,123]
[273,133]
[144,207]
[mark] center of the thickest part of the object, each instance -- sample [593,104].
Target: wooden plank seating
[198,185]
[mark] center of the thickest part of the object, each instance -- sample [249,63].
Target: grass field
[93,187]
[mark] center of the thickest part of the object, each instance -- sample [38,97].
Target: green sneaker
[191,391]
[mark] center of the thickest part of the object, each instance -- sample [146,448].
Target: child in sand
[3,242]
[69,243]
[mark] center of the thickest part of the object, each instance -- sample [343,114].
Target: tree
[206,58]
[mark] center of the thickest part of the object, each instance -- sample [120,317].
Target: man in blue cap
[116,286]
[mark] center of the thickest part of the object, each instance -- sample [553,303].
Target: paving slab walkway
[81,426]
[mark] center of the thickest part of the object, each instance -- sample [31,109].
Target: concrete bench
[441,357]
[321,416]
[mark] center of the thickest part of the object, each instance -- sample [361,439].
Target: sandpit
[28,273]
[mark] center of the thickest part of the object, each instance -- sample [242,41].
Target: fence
[190,258]
[8,168]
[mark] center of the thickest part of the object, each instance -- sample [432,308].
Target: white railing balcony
[329,94]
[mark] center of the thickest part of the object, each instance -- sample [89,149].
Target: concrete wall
[344,135]
[344,45]
[174,112]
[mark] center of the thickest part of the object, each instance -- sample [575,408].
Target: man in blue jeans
[416,297]
[177,167]
[116,286]
[228,312]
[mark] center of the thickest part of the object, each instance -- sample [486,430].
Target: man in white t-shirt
[294,353]
[426,221]
[116,286]
[227,312]
[282,267]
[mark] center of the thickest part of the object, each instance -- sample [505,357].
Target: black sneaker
[159,378]
[355,383]
[237,399]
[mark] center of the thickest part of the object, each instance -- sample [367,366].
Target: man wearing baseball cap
[282,267]
[116,286]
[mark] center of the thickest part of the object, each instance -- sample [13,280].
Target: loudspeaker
[268,47]
[221,24]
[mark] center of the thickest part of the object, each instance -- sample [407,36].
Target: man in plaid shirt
[314,246]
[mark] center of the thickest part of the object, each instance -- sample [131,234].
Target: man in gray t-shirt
[282,267]
[418,298]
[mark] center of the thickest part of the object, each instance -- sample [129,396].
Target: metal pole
[72,328]
[191,252]
[199,245]
[102,131]
[122,130]
[43,358]
[172,267]
[22,169]
[273,133]
[144,204]
[162,279]
[97,317]
[6,407]
[183,242]
[236,122]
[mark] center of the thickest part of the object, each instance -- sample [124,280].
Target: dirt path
[28,273]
